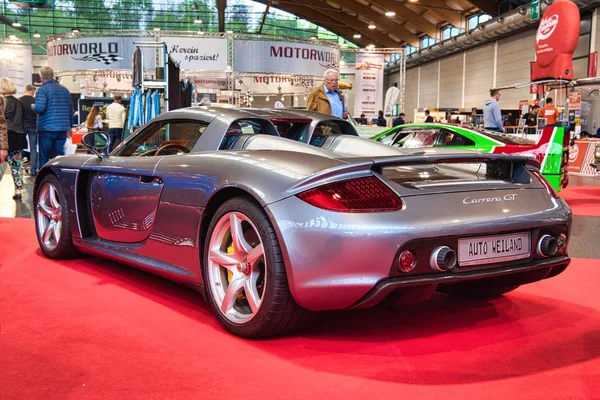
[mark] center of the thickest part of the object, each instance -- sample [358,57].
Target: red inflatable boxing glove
[556,41]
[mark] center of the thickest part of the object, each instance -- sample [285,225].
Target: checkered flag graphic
[100,57]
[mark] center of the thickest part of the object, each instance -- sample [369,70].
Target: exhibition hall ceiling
[386,23]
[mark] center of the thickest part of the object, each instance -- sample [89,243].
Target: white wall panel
[515,54]
[429,85]
[410,95]
[451,78]
[479,79]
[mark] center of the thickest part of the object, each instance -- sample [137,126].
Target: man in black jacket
[30,121]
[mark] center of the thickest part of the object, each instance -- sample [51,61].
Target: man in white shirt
[115,115]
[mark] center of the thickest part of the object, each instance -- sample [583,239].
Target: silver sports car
[270,230]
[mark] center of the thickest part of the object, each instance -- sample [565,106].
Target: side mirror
[97,143]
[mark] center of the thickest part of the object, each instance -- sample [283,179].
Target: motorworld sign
[284,57]
[103,53]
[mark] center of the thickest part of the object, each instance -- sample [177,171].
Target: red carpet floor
[583,200]
[93,329]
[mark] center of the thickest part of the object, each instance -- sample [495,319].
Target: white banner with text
[368,84]
[283,57]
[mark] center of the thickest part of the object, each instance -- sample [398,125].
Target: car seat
[318,137]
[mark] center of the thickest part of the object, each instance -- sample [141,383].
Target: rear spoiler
[359,167]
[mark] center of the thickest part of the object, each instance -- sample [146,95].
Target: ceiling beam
[381,21]
[380,39]
[318,18]
[409,16]
[487,6]
[440,10]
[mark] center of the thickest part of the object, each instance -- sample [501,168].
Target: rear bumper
[498,277]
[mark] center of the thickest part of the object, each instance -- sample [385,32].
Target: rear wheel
[52,219]
[472,290]
[244,273]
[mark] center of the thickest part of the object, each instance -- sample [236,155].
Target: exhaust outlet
[442,259]
[547,246]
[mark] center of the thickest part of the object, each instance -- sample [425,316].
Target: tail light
[538,175]
[355,196]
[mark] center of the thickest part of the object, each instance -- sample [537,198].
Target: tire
[473,291]
[52,221]
[245,279]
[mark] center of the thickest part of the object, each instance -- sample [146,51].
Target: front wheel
[52,220]
[244,273]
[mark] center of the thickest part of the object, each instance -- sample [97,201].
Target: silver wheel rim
[237,270]
[49,217]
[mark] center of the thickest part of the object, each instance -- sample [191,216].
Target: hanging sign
[198,53]
[556,40]
[100,53]
[283,57]
[368,84]
[575,101]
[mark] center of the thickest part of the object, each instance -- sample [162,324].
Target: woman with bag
[17,138]
[94,120]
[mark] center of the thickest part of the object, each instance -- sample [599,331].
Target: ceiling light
[75,30]
[390,13]
[197,20]
[372,26]
[344,44]
[356,36]
[12,37]
[157,28]
[267,98]
[370,46]
[16,24]
[36,34]
[230,31]
[200,32]
[58,38]
[413,1]
[313,38]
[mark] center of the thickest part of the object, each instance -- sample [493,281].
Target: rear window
[337,127]
[295,129]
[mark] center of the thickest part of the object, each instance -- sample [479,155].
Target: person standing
[531,120]
[380,120]
[30,123]
[428,117]
[55,109]
[549,112]
[327,98]
[115,114]
[17,139]
[492,117]
[93,121]
[400,120]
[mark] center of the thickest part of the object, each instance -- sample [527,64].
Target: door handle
[150,179]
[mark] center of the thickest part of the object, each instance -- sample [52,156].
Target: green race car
[551,149]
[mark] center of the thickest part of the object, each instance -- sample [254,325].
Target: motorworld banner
[283,57]
[102,53]
[368,84]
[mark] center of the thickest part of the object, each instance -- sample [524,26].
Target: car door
[124,191]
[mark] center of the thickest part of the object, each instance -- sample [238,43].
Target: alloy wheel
[237,270]
[49,217]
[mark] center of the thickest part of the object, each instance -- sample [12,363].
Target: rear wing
[508,167]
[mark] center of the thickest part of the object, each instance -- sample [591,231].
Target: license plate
[493,249]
